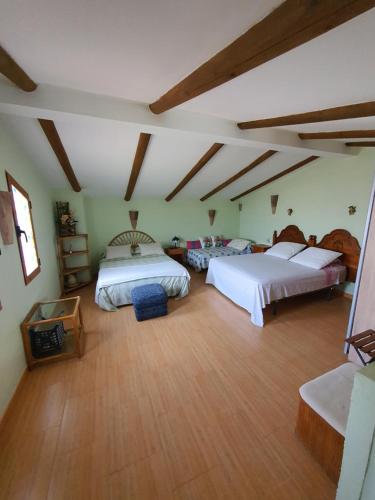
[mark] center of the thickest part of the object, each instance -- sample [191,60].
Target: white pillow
[317,258]
[238,244]
[285,249]
[118,251]
[151,249]
[205,241]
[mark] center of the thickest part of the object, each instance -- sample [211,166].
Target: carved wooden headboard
[340,240]
[132,238]
[294,234]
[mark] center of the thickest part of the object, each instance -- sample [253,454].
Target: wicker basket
[48,341]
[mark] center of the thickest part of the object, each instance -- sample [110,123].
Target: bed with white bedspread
[253,281]
[118,276]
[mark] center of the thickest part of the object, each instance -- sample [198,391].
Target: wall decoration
[133,215]
[290,211]
[240,207]
[65,219]
[274,200]
[211,216]
[352,209]
[6,218]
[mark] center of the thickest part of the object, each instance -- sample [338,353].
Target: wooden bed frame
[338,240]
[293,234]
[133,238]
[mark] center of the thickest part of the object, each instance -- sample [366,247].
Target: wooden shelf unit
[82,272]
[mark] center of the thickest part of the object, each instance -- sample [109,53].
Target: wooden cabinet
[177,253]
[53,331]
[74,266]
[259,247]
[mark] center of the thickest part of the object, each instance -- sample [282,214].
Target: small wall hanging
[274,200]
[290,211]
[6,218]
[133,215]
[240,207]
[211,216]
[352,209]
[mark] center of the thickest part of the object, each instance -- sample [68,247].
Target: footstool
[149,301]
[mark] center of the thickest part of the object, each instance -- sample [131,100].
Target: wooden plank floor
[198,405]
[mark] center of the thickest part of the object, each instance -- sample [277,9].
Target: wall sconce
[211,216]
[290,211]
[274,200]
[133,216]
[352,209]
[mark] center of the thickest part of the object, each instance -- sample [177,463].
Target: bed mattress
[118,277]
[253,281]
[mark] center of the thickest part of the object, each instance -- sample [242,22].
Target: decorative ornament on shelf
[352,209]
[274,200]
[175,241]
[133,215]
[211,216]
[290,211]
[65,219]
[6,218]
[71,281]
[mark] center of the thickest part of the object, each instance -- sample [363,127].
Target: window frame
[12,182]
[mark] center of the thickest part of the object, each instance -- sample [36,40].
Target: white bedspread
[118,277]
[144,269]
[253,281]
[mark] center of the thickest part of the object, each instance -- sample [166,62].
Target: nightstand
[177,253]
[259,247]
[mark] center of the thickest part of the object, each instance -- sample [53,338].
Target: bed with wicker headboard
[120,275]
[253,281]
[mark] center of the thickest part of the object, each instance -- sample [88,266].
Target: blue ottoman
[149,301]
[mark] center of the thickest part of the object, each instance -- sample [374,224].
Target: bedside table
[177,253]
[259,247]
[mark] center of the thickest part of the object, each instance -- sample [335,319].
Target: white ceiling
[138,50]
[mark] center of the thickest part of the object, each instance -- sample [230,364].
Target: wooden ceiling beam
[363,144]
[343,134]
[239,174]
[323,115]
[277,176]
[139,156]
[197,167]
[286,27]
[10,69]
[53,138]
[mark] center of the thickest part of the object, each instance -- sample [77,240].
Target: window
[24,230]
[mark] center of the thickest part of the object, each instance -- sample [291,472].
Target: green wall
[17,298]
[104,217]
[107,217]
[319,195]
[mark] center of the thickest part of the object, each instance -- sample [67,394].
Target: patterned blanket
[199,258]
